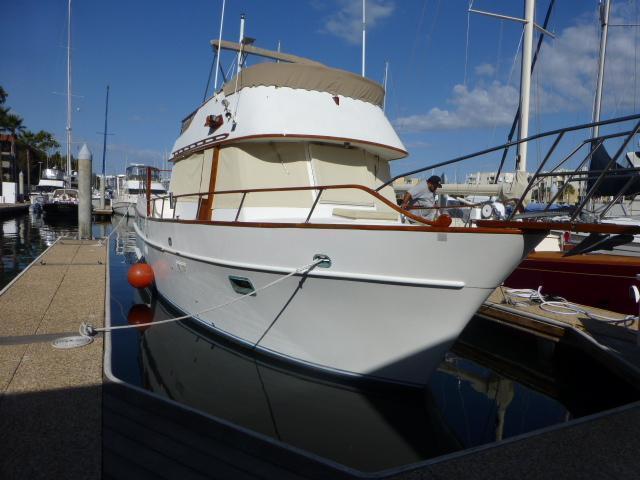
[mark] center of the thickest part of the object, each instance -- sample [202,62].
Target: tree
[39,144]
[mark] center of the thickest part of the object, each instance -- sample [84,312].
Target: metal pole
[104,151]
[69,93]
[605,8]
[215,82]
[525,82]
[384,100]
[242,18]
[364,34]
[84,192]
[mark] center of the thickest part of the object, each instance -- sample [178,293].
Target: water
[23,238]
[495,382]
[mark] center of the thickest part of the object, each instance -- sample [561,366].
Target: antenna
[242,19]
[215,82]
[364,34]
[605,8]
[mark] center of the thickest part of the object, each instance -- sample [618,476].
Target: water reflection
[23,238]
[494,384]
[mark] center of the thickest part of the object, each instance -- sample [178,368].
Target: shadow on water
[495,383]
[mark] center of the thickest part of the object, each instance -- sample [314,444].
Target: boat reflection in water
[466,404]
[366,430]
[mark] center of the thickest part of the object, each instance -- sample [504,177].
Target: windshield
[139,172]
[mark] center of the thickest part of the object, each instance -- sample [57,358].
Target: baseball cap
[435,179]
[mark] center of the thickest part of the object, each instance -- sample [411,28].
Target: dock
[102,213]
[63,414]
[50,399]
[11,209]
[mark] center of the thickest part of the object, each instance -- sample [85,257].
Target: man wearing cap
[423,195]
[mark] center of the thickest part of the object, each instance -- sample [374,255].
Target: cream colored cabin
[280,164]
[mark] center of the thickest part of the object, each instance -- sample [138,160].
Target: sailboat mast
[525,82]
[69,92]
[104,151]
[384,100]
[605,9]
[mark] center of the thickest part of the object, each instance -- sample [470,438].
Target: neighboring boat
[132,185]
[50,180]
[63,203]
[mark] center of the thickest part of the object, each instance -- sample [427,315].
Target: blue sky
[444,98]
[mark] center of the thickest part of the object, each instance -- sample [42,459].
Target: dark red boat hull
[598,280]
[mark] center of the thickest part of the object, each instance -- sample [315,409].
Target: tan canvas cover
[263,165]
[191,175]
[308,77]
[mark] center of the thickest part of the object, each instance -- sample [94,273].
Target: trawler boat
[283,175]
[133,184]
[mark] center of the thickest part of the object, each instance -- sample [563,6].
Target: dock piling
[84,193]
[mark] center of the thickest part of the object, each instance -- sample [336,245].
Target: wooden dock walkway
[50,399]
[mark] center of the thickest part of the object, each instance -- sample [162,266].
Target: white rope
[88,330]
[560,306]
[113,230]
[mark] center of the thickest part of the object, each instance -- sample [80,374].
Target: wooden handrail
[441,221]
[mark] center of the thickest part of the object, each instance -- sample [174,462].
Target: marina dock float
[615,345]
[64,415]
[104,212]
[9,209]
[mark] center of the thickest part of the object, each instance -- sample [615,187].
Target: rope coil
[559,305]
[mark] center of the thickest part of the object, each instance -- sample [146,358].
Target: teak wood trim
[343,226]
[568,226]
[206,210]
[227,142]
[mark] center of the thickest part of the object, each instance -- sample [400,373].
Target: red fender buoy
[140,314]
[140,275]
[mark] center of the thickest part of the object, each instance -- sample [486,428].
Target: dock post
[84,193]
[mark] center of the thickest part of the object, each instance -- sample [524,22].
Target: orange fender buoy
[443,220]
[140,314]
[140,275]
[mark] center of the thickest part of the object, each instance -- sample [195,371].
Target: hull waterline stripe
[422,282]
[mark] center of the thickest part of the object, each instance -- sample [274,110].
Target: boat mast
[69,92]
[104,151]
[215,81]
[525,83]
[605,9]
[364,35]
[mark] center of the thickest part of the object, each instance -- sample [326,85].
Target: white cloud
[486,70]
[480,107]
[564,80]
[346,23]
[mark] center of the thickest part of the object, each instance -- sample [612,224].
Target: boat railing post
[520,201]
[148,185]
[315,202]
[244,194]
[600,178]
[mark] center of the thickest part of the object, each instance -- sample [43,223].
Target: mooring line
[88,330]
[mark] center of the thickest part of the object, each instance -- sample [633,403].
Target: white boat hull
[124,208]
[388,308]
